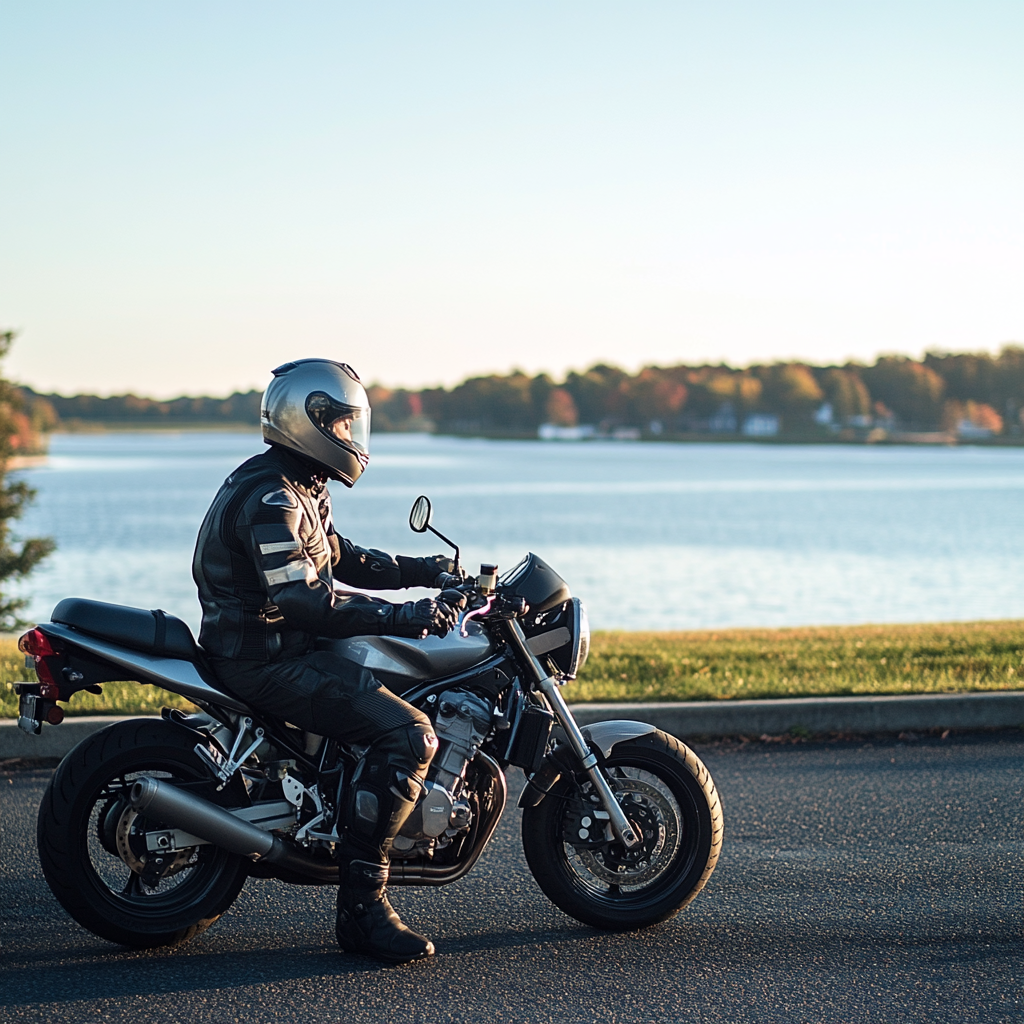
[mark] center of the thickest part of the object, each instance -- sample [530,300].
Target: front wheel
[670,798]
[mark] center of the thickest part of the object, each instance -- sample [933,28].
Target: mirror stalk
[450,543]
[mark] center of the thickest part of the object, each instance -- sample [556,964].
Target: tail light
[36,644]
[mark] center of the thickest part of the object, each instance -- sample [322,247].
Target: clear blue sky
[193,192]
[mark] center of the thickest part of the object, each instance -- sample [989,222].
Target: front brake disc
[655,819]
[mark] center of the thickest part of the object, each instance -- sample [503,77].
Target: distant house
[761,424]
[968,431]
[551,432]
[626,434]
[724,421]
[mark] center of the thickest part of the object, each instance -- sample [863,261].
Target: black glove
[416,619]
[455,599]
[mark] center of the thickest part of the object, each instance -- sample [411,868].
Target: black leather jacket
[265,558]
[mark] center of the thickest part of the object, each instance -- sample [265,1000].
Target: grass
[731,664]
[832,661]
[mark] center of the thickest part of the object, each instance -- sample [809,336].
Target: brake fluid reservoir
[488,578]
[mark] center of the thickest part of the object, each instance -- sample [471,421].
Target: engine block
[463,722]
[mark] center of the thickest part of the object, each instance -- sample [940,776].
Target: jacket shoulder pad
[280,497]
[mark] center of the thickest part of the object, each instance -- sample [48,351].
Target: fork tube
[619,822]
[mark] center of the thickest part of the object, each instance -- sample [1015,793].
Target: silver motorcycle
[150,827]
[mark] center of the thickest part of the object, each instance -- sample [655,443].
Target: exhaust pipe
[199,817]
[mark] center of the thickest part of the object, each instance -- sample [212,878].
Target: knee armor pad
[388,781]
[422,744]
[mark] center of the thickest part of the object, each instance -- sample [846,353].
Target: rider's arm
[370,569]
[282,544]
[286,549]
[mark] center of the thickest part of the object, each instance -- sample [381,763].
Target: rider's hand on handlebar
[455,599]
[417,619]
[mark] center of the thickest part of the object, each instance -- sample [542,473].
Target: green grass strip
[829,661]
[730,664]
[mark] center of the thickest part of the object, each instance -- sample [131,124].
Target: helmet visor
[347,425]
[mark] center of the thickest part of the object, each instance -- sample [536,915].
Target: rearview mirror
[419,517]
[419,522]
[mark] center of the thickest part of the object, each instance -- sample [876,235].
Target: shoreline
[895,439]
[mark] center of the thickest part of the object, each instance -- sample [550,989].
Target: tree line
[939,392]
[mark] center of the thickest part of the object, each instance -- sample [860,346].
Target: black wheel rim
[186,883]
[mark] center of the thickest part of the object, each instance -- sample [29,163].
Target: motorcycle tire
[669,796]
[85,819]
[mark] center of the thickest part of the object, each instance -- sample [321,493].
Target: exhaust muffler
[199,817]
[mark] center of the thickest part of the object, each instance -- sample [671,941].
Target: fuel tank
[415,660]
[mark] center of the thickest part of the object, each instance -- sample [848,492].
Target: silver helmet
[318,408]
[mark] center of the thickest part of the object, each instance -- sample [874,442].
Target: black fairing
[536,583]
[561,615]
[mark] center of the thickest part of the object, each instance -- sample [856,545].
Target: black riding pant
[321,693]
[327,695]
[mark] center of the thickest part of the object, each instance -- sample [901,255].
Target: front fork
[588,760]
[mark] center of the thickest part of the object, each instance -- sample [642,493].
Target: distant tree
[16,560]
[599,393]
[540,391]
[845,392]
[655,395]
[561,409]
[491,404]
[913,391]
[968,376]
[790,389]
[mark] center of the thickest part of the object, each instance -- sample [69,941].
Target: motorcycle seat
[156,631]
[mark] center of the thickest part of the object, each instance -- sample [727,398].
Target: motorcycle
[150,827]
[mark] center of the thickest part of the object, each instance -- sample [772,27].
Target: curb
[999,710]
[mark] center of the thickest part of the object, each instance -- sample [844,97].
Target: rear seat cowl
[153,631]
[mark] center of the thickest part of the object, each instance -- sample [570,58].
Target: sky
[192,193]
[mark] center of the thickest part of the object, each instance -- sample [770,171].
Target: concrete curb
[999,710]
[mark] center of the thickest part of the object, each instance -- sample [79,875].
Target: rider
[264,562]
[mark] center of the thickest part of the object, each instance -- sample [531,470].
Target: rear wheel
[93,846]
[669,796]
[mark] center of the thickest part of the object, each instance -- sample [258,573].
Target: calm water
[650,536]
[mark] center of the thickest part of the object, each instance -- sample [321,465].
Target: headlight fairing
[561,637]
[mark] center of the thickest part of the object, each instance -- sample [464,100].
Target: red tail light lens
[36,643]
[55,715]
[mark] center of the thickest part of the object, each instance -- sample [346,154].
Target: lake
[651,536]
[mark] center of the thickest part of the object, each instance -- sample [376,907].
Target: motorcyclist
[265,562]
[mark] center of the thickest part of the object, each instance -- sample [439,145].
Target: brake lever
[475,613]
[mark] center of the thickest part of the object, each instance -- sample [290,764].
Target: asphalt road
[860,881]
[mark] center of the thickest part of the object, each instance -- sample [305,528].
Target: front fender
[602,736]
[605,735]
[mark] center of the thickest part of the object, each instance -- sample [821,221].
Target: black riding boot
[367,923]
[383,793]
